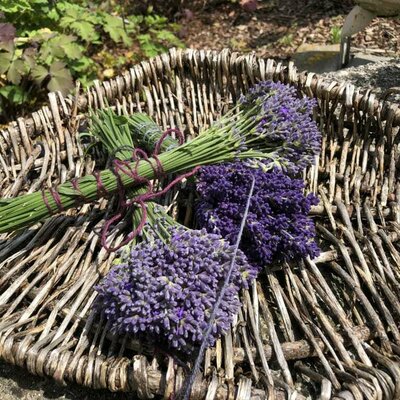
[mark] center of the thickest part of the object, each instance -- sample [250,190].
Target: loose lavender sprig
[220,298]
[278,226]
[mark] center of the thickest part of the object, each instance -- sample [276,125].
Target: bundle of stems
[212,146]
[247,131]
[117,134]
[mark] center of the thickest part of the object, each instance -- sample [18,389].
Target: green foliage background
[46,44]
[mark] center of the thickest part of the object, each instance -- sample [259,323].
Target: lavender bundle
[166,289]
[260,126]
[166,286]
[278,227]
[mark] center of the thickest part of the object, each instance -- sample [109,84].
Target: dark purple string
[101,190]
[141,199]
[179,134]
[46,202]
[75,185]
[57,199]
[120,166]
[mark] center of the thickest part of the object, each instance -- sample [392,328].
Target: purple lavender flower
[167,290]
[278,226]
[285,122]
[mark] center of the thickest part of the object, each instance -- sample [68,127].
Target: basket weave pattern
[320,327]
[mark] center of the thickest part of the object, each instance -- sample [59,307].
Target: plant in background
[286,40]
[336,32]
[157,35]
[47,45]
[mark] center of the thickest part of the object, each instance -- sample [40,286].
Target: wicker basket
[327,328]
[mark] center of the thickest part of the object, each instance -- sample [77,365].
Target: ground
[278,27]
[276,30]
[17,384]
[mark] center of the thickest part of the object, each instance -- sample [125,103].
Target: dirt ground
[278,27]
[18,384]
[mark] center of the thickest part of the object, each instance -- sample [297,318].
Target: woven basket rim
[314,84]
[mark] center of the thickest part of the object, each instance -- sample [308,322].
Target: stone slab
[325,58]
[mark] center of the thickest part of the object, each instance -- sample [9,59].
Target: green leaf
[67,45]
[16,70]
[14,94]
[84,65]
[61,78]
[5,61]
[39,74]
[41,35]
[135,21]
[86,81]
[29,56]
[148,46]
[50,50]
[58,77]
[7,46]
[43,6]
[58,47]
[114,26]
[73,50]
[155,21]
[78,20]
[53,15]
[13,6]
[84,29]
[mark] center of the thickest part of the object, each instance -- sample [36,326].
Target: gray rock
[380,77]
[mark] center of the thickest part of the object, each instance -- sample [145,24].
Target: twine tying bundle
[124,167]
